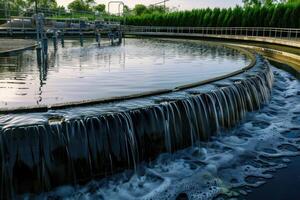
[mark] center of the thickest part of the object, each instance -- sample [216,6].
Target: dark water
[284,184]
[232,164]
[74,73]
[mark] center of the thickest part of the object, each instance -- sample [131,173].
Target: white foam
[225,166]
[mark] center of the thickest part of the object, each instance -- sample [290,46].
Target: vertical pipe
[54,39]
[98,39]
[39,55]
[62,39]
[81,39]
[99,44]
[120,37]
[36,6]
[45,46]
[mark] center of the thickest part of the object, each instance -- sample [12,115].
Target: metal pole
[62,37]
[36,6]
[5,10]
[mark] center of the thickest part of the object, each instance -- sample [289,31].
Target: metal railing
[284,33]
[27,25]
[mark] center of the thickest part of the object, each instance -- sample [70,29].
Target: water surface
[75,73]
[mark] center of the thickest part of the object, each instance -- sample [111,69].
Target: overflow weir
[58,151]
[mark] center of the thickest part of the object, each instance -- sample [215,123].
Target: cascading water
[39,157]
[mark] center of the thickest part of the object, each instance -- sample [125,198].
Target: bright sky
[179,4]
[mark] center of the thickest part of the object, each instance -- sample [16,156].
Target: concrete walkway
[8,45]
[286,42]
[285,57]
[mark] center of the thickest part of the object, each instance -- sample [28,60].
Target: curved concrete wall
[279,41]
[36,158]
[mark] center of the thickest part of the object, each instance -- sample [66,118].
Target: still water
[75,73]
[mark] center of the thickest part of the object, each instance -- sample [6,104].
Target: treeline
[277,15]
[81,8]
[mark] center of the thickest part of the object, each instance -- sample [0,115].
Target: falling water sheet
[230,165]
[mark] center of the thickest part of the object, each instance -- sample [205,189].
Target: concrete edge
[45,108]
[290,58]
[13,51]
[290,43]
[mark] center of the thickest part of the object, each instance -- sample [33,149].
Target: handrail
[211,27]
[273,32]
[287,33]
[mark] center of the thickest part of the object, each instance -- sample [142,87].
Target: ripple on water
[291,133]
[261,124]
[288,147]
[296,120]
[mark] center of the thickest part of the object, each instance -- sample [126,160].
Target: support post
[54,39]
[98,38]
[62,39]
[120,37]
[81,39]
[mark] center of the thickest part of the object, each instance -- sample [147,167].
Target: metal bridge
[23,22]
[26,26]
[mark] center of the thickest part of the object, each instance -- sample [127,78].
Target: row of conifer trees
[277,15]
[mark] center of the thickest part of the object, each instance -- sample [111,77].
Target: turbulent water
[229,165]
[40,151]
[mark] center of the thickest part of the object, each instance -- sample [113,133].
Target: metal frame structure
[120,3]
[161,2]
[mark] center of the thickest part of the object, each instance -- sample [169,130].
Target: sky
[179,4]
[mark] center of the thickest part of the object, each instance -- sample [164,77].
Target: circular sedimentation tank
[43,147]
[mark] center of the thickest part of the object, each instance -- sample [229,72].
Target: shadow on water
[284,184]
[287,68]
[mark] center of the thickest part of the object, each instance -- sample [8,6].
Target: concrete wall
[291,43]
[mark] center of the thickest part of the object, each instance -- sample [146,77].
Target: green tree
[156,9]
[260,2]
[81,5]
[221,17]
[139,9]
[227,17]
[100,8]
[206,18]
[126,9]
[214,17]
[276,20]
[251,2]
[49,4]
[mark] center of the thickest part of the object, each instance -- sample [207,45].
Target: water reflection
[78,73]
